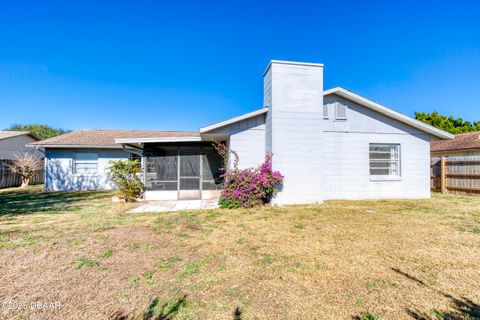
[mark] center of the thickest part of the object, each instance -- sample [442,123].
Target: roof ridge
[465,133]
[152,130]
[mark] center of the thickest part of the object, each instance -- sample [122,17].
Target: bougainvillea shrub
[247,187]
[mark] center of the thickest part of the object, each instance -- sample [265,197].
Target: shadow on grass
[166,311]
[35,200]
[463,308]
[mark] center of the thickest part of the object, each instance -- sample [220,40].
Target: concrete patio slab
[177,205]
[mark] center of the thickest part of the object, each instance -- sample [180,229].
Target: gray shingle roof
[463,141]
[106,138]
[11,134]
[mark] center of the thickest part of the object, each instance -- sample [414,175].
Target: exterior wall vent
[340,111]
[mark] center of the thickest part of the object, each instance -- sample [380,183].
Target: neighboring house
[461,164]
[464,144]
[14,142]
[331,144]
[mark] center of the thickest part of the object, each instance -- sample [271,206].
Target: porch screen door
[189,174]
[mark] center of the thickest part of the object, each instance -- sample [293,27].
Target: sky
[180,65]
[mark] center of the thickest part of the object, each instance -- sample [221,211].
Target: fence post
[443,180]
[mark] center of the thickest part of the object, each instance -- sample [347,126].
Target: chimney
[293,92]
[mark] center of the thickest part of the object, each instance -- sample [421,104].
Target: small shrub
[250,187]
[25,165]
[123,175]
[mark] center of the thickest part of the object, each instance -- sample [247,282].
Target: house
[14,142]
[329,144]
[464,144]
[455,164]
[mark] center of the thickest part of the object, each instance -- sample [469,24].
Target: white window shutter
[325,111]
[340,111]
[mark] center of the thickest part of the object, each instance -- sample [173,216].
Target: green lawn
[396,259]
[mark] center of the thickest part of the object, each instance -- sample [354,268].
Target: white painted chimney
[293,92]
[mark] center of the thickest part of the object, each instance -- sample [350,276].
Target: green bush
[123,175]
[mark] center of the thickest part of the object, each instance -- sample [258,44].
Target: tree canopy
[40,130]
[449,124]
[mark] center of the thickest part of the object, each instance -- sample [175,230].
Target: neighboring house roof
[388,112]
[233,120]
[106,138]
[462,142]
[11,134]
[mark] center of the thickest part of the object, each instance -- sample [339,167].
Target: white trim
[388,112]
[233,120]
[165,139]
[306,64]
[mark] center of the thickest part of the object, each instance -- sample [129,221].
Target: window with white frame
[325,111]
[85,163]
[384,160]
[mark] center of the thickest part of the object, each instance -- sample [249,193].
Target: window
[384,160]
[340,111]
[325,111]
[135,157]
[85,163]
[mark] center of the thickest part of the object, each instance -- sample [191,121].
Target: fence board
[8,179]
[461,175]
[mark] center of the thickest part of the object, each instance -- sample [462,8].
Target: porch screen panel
[211,170]
[161,169]
[189,170]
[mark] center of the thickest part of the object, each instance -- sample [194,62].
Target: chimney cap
[307,64]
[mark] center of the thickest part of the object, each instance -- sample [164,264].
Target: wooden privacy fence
[9,179]
[455,174]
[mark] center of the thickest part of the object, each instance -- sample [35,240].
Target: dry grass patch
[396,259]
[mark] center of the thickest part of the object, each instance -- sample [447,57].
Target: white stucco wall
[59,172]
[294,96]
[247,138]
[346,155]
[11,146]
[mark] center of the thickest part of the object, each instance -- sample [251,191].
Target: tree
[25,165]
[40,130]
[449,124]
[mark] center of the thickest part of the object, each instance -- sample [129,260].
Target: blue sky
[180,65]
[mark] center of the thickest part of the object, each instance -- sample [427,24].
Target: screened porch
[187,171]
